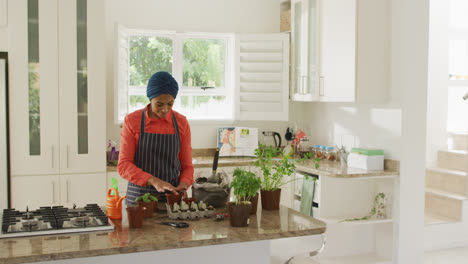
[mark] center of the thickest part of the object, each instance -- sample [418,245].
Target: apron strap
[176,126]
[142,122]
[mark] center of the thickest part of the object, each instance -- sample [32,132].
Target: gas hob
[53,220]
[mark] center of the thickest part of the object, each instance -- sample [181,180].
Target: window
[220,76]
[200,62]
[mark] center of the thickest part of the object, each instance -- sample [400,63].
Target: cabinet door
[34,191]
[82,189]
[337,50]
[33,92]
[82,86]
[304,50]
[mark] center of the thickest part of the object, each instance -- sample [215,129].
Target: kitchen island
[156,241]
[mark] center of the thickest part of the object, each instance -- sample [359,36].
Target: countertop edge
[178,245]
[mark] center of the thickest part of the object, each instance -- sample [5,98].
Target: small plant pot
[188,200]
[254,202]
[239,214]
[135,216]
[270,199]
[149,208]
[173,198]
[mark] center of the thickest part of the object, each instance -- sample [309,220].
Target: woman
[155,146]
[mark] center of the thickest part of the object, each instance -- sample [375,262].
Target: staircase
[446,208]
[446,185]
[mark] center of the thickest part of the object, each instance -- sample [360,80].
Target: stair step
[451,181]
[458,141]
[444,204]
[449,195]
[433,219]
[452,160]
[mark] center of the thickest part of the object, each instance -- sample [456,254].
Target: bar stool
[307,258]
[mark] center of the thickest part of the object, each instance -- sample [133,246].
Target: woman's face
[161,105]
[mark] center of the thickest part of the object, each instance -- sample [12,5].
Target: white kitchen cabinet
[304,50]
[82,189]
[34,191]
[57,68]
[48,190]
[323,50]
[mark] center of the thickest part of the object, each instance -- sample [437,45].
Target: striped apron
[156,154]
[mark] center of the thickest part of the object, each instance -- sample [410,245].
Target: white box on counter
[365,162]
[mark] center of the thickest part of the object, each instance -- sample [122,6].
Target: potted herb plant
[253,199]
[245,185]
[275,169]
[149,201]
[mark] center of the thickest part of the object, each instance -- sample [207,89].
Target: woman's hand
[182,188]
[160,185]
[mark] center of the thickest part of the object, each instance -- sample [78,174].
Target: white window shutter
[262,80]
[121,81]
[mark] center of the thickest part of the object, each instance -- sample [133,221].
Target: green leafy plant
[245,185]
[276,167]
[147,197]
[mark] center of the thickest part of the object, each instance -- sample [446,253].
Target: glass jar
[304,147]
[317,151]
[330,154]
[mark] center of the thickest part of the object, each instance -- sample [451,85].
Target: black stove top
[55,219]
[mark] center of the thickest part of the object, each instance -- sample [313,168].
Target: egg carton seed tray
[193,215]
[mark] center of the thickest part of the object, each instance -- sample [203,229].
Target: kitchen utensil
[176,224]
[289,134]
[215,164]
[114,204]
[275,135]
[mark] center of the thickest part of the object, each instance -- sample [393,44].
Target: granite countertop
[203,158]
[334,169]
[154,236]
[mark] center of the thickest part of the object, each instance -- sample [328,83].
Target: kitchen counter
[334,169]
[152,236]
[326,168]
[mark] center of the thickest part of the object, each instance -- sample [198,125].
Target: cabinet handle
[53,192]
[68,148]
[67,190]
[321,86]
[52,156]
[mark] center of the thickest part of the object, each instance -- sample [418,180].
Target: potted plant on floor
[149,201]
[275,171]
[245,185]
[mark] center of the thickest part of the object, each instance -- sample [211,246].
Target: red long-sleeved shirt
[129,143]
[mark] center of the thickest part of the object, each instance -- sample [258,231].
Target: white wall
[240,16]
[3,25]
[397,123]
[437,101]
[3,39]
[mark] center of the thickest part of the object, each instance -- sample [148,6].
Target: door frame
[4,56]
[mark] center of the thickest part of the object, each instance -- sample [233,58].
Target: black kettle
[275,136]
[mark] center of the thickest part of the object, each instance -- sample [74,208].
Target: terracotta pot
[270,199]
[254,202]
[173,198]
[188,201]
[239,214]
[149,208]
[135,216]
